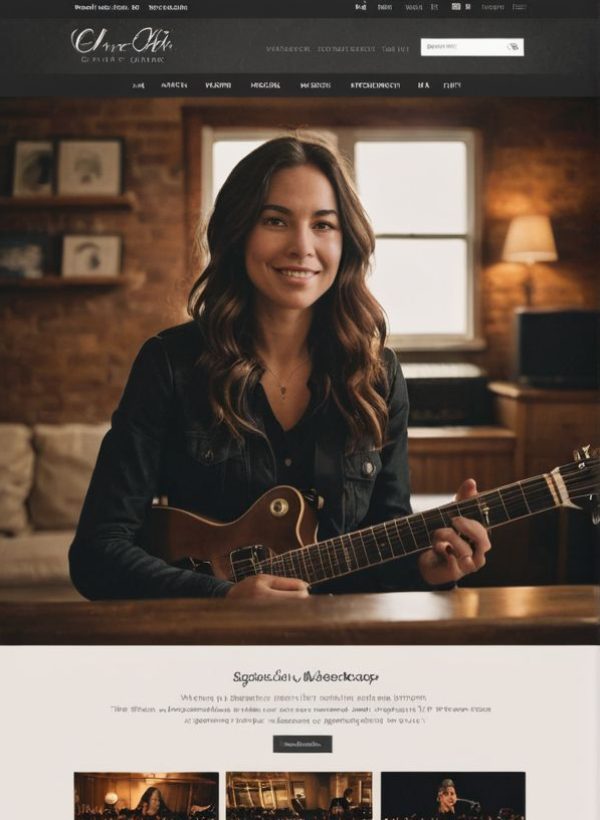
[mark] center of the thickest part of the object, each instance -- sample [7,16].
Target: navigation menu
[366,85]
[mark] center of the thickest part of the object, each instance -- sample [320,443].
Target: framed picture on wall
[33,168]
[93,167]
[91,255]
[23,256]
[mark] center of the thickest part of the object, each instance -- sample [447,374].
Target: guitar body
[278,534]
[281,520]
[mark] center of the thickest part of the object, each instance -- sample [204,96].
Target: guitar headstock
[582,478]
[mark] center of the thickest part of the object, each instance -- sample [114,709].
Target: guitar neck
[368,547]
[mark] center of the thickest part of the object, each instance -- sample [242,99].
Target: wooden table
[507,615]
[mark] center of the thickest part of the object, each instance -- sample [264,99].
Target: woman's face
[153,803]
[447,799]
[293,253]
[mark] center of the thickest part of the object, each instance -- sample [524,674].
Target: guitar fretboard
[400,537]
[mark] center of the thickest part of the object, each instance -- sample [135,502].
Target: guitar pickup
[247,561]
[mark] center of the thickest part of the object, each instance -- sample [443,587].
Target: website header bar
[313,9]
[100,57]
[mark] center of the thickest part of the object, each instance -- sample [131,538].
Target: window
[419,188]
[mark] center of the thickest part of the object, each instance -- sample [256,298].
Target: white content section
[472,47]
[58,716]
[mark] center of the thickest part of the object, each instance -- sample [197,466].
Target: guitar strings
[371,537]
[330,548]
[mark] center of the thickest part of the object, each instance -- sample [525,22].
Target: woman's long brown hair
[348,328]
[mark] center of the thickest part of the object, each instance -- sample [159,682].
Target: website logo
[148,45]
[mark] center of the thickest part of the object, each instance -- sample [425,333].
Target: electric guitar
[278,533]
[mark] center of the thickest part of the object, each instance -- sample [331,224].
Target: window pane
[422,285]
[413,187]
[226,155]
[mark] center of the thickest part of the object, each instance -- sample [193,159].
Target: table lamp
[529,240]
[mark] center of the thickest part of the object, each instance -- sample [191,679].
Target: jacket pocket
[211,449]
[219,483]
[360,472]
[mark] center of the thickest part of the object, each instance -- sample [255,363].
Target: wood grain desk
[507,615]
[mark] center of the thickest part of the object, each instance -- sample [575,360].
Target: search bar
[472,47]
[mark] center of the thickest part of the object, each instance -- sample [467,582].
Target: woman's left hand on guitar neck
[451,556]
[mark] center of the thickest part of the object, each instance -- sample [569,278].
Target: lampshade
[110,798]
[529,239]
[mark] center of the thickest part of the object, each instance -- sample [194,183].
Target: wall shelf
[51,282]
[126,202]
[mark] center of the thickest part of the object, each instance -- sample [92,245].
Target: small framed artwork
[91,255]
[93,167]
[23,256]
[33,168]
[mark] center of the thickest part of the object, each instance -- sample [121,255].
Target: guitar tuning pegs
[582,452]
[595,509]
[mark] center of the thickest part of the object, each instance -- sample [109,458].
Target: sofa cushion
[35,558]
[66,455]
[16,468]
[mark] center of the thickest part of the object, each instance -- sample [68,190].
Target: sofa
[45,471]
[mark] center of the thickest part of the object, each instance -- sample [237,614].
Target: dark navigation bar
[297,57]
[269,85]
[306,9]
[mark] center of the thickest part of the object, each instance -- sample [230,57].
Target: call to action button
[293,744]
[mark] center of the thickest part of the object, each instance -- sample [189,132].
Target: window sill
[428,343]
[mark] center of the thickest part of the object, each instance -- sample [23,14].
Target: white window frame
[210,135]
[346,138]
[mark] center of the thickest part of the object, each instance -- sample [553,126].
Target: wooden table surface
[502,615]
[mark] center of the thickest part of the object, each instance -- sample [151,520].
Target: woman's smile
[297,273]
[297,276]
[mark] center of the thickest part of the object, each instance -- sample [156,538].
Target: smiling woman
[294,251]
[281,377]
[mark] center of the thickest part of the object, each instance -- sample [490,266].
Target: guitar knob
[279,507]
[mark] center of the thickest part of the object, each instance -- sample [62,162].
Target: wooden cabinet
[548,424]
[441,458]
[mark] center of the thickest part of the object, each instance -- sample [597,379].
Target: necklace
[283,386]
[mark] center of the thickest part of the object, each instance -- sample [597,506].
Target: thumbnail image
[163,796]
[458,795]
[304,795]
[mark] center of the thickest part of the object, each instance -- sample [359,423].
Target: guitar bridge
[203,567]
[194,565]
[246,561]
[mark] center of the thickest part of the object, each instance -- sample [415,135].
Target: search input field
[472,46]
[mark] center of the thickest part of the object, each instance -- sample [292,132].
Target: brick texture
[65,353]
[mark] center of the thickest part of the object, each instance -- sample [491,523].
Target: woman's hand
[452,557]
[269,586]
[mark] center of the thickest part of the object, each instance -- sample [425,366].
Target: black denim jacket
[162,443]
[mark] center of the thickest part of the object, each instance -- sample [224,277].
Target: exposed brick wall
[64,354]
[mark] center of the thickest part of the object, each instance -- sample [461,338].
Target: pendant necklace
[283,386]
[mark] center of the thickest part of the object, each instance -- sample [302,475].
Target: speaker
[557,348]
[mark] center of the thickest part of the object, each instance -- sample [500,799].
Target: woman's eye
[325,226]
[273,220]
